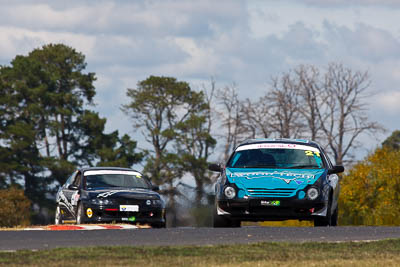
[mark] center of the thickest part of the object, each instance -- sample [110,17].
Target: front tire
[324,221]
[58,216]
[223,221]
[80,215]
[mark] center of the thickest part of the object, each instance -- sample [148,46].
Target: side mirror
[215,167]
[155,188]
[336,169]
[73,187]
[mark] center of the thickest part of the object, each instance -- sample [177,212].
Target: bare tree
[257,118]
[230,115]
[329,107]
[311,98]
[283,103]
[342,117]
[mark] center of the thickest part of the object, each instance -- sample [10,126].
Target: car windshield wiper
[303,167]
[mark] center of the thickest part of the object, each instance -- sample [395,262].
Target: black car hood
[137,193]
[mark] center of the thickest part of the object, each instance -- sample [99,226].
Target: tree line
[48,127]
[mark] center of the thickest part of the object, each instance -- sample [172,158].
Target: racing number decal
[312,153]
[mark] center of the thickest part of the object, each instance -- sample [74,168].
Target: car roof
[106,168]
[279,140]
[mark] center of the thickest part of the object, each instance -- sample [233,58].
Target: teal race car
[275,180]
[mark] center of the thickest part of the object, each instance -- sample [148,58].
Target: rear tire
[158,225]
[58,216]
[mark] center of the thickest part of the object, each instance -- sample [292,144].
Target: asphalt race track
[33,240]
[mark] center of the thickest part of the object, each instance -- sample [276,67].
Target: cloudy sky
[241,42]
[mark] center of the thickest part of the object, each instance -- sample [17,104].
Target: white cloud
[364,42]
[245,42]
[389,101]
[15,41]
[346,3]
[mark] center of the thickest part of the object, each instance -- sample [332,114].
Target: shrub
[370,192]
[15,207]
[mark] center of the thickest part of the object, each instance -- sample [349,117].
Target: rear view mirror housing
[73,187]
[215,167]
[336,169]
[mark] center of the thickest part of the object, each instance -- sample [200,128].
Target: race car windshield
[280,158]
[115,180]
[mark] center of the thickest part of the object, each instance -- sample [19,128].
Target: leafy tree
[45,125]
[195,144]
[171,117]
[98,148]
[393,141]
[370,192]
[20,157]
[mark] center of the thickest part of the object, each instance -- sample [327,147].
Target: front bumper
[112,213]
[263,209]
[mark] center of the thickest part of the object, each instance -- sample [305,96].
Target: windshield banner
[277,146]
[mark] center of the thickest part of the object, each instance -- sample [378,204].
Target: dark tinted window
[115,180]
[276,158]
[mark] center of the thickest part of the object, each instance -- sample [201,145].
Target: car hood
[137,193]
[273,178]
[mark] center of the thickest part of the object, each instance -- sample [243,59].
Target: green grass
[380,253]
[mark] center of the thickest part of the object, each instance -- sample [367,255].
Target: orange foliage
[370,192]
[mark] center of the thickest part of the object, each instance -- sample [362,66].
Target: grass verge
[379,253]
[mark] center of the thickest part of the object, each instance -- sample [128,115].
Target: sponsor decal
[272,174]
[286,180]
[99,172]
[112,192]
[270,203]
[285,176]
[64,202]
[129,207]
[148,202]
[312,153]
[89,213]
[75,198]
[109,193]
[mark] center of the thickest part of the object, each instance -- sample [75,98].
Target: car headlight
[230,192]
[312,193]
[99,201]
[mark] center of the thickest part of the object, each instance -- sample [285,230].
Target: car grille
[266,192]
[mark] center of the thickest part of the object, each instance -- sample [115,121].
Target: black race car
[108,194]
